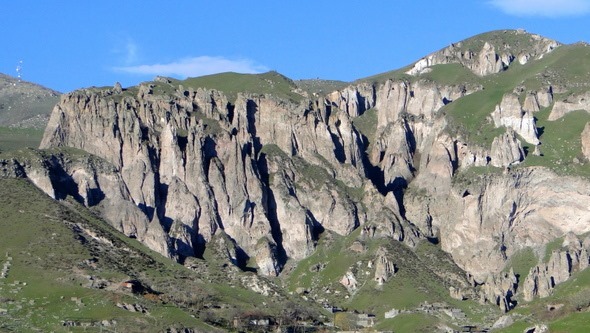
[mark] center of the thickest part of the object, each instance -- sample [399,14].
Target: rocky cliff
[273,170]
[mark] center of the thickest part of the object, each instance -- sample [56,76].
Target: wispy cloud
[544,8]
[195,66]
[130,52]
[126,51]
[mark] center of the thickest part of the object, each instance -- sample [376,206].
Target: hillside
[24,111]
[24,104]
[435,197]
[66,270]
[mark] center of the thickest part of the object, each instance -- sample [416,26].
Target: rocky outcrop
[506,150]
[585,140]
[194,164]
[349,282]
[571,103]
[535,100]
[259,178]
[498,215]
[384,267]
[542,279]
[509,113]
[93,182]
[484,56]
[500,290]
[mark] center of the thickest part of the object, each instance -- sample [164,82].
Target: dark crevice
[271,211]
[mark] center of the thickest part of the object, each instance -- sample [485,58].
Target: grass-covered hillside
[24,104]
[566,69]
[65,270]
[419,288]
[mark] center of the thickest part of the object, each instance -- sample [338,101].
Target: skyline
[66,45]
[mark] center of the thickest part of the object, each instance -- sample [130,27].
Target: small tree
[344,321]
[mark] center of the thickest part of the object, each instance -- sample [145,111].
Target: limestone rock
[585,140]
[506,150]
[267,257]
[503,322]
[572,103]
[384,267]
[490,59]
[257,176]
[523,207]
[499,290]
[349,282]
[543,278]
[541,328]
[509,113]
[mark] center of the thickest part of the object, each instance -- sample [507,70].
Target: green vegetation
[51,260]
[521,263]
[233,83]
[366,124]
[273,150]
[554,245]
[320,87]
[66,265]
[24,104]
[560,144]
[17,138]
[516,40]
[469,116]
[451,74]
[421,277]
[410,323]
[396,75]
[566,310]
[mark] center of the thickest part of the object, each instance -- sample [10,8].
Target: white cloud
[126,51]
[546,8]
[195,66]
[130,52]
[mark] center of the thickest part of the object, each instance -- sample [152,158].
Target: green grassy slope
[421,277]
[232,83]
[17,138]
[66,265]
[49,269]
[25,104]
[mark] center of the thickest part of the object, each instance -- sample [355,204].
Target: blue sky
[69,44]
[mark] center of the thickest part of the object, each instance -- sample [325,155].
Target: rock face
[585,140]
[509,113]
[572,103]
[506,150]
[500,290]
[497,216]
[260,177]
[484,56]
[384,267]
[192,163]
[195,163]
[562,263]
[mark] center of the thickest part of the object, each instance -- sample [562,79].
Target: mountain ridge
[446,151]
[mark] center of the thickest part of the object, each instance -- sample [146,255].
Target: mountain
[437,196]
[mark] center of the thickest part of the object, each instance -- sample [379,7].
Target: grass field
[232,83]
[17,138]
